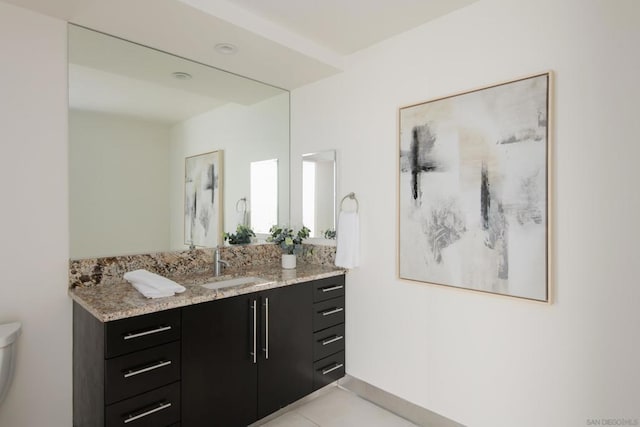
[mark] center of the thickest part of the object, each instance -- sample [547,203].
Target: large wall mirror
[135,115]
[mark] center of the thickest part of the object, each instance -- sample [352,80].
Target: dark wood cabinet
[224,363]
[329,330]
[126,372]
[219,372]
[246,357]
[284,374]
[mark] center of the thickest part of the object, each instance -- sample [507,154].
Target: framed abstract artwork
[203,199]
[473,189]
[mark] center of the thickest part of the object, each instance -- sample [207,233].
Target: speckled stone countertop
[121,300]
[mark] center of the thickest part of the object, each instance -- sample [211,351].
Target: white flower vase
[288,261]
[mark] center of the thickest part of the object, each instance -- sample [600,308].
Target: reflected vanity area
[319,193]
[135,115]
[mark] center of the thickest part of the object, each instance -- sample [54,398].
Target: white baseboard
[392,403]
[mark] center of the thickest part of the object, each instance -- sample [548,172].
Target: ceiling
[111,75]
[346,26]
[286,43]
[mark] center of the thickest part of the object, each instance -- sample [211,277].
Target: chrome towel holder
[351,196]
[241,205]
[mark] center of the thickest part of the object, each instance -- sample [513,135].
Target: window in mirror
[319,192]
[264,195]
[309,196]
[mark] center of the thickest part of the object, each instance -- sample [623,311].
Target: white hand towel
[348,240]
[150,292]
[152,280]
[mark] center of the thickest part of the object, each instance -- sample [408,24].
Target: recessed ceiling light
[226,48]
[182,75]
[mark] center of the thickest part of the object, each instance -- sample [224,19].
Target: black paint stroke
[210,184]
[192,209]
[485,196]
[422,141]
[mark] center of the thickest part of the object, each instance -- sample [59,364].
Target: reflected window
[264,195]
[309,196]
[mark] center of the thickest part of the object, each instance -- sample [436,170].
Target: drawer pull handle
[160,364]
[133,417]
[333,368]
[132,335]
[332,311]
[332,288]
[332,339]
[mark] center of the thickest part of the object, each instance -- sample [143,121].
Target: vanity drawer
[136,333]
[157,408]
[328,341]
[328,313]
[330,287]
[144,370]
[328,370]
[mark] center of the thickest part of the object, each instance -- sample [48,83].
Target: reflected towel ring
[351,196]
[244,205]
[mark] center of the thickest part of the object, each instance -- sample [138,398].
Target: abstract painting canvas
[202,199]
[473,189]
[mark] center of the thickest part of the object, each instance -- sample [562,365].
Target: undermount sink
[228,283]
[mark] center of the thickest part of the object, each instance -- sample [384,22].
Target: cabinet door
[219,373]
[285,372]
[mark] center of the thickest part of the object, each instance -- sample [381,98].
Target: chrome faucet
[219,263]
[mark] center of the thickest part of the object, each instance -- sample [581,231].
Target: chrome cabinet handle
[160,407]
[266,328]
[332,288]
[132,335]
[333,368]
[254,353]
[332,339]
[333,311]
[160,364]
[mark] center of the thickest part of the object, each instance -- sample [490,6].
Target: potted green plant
[290,242]
[242,235]
[330,234]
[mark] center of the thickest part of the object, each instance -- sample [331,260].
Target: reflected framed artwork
[203,199]
[473,189]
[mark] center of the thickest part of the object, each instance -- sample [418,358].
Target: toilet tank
[9,332]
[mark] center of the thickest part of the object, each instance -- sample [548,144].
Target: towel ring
[351,196]
[244,205]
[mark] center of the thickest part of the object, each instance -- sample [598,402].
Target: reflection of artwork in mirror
[202,202]
[319,193]
[264,195]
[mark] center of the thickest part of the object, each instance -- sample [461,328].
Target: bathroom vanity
[208,357]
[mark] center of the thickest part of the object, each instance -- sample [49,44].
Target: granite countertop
[121,300]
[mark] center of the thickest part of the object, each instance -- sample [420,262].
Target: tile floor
[338,408]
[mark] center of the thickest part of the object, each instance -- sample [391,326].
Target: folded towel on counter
[348,240]
[152,285]
[150,292]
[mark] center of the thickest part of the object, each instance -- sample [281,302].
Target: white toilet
[8,334]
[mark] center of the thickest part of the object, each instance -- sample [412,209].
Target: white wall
[33,219]
[479,359]
[119,179]
[246,134]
